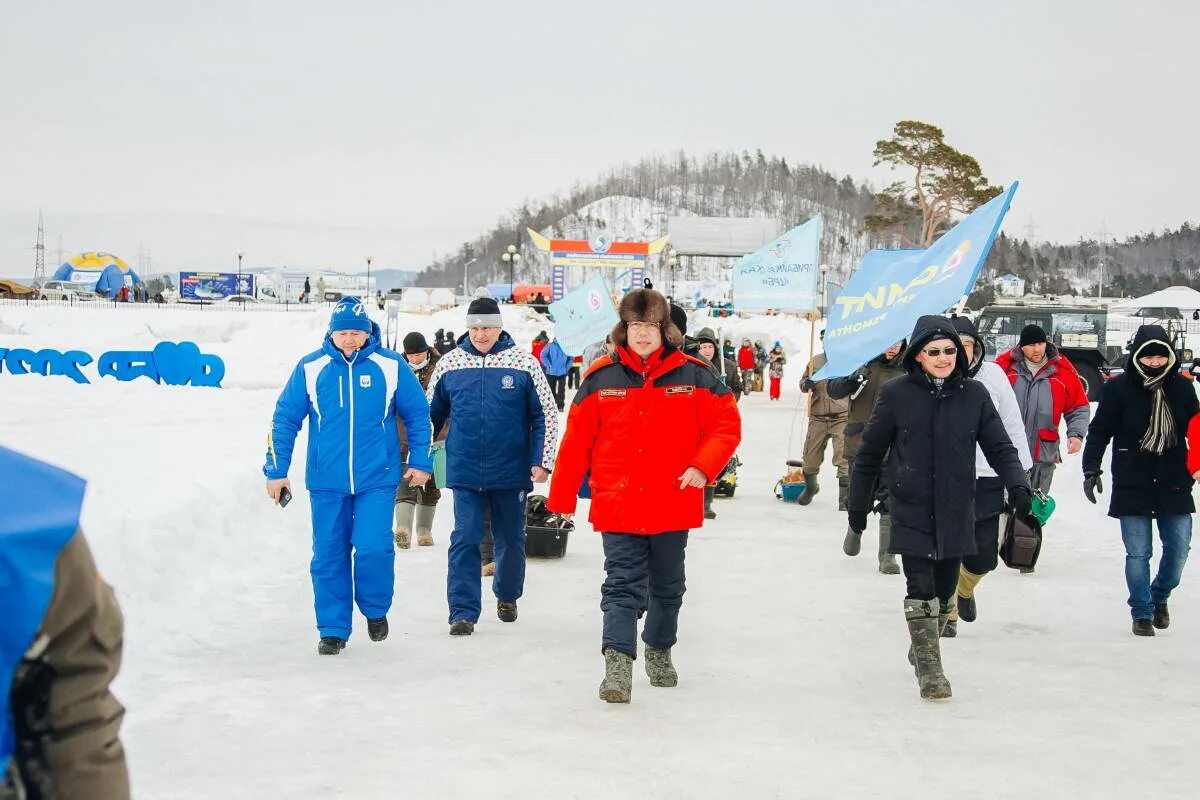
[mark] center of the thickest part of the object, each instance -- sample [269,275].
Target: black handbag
[1021,542]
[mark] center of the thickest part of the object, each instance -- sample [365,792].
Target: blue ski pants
[463,588]
[362,522]
[642,572]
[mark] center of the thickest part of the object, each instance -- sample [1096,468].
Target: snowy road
[793,679]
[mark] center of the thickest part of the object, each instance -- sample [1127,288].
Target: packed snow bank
[793,683]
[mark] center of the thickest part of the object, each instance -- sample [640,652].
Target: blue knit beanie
[349,315]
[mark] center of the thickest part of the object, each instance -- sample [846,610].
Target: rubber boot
[964,607]
[402,530]
[852,544]
[618,677]
[810,489]
[922,617]
[424,525]
[947,627]
[887,561]
[659,668]
[843,491]
[709,491]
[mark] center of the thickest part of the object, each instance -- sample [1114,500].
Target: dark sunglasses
[933,352]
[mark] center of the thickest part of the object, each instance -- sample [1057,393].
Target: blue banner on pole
[585,316]
[784,275]
[892,288]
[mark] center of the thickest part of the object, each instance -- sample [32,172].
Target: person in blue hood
[501,442]
[351,391]
[61,637]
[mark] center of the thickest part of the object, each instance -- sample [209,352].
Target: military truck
[1095,343]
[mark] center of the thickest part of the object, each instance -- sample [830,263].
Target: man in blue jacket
[501,442]
[557,364]
[352,391]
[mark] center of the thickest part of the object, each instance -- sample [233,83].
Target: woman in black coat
[1145,412]
[927,425]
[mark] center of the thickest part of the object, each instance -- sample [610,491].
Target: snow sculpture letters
[174,364]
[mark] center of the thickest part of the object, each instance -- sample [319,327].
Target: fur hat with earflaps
[646,305]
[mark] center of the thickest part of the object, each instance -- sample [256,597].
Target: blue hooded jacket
[351,406]
[503,419]
[33,531]
[556,362]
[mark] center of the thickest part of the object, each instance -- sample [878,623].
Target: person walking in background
[307,291]
[826,424]
[353,392]
[501,442]
[989,488]
[573,376]
[1048,390]
[862,387]
[557,364]
[745,362]
[921,424]
[760,362]
[61,644]
[444,343]
[684,424]
[416,505]
[706,350]
[775,361]
[728,350]
[1145,412]
[538,344]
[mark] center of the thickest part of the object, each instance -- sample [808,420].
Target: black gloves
[857,520]
[807,385]
[860,375]
[1021,500]
[1092,484]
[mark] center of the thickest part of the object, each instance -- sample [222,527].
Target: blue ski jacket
[556,362]
[35,525]
[352,405]
[503,417]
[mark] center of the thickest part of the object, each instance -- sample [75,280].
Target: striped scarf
[1160,434]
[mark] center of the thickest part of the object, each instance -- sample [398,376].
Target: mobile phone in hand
[285,497]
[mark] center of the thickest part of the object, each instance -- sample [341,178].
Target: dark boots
[507,612]
[709,491]
[810,489]
[1162,619]
[618,677]
[843,491]
[887,561]
[923,630]
[377,629]
[1143,627]
[330,646]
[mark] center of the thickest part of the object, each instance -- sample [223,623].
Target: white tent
[1181,297]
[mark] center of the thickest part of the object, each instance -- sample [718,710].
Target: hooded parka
[931,433]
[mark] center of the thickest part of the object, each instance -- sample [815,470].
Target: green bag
[1043,507]
[438,451]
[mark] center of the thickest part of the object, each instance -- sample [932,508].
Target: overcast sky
[315,134]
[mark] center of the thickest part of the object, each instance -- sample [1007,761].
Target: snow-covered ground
[794,682]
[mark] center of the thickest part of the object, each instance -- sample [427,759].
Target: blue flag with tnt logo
[892,288]
[584,316]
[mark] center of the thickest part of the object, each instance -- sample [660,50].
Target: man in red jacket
[652,426]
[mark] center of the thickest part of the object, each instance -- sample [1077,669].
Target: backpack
[1021,542]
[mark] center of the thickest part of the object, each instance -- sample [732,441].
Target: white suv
[65,290]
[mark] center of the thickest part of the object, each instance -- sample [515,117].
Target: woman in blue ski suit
[351,391]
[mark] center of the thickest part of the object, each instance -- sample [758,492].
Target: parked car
[240,299]
[67,291]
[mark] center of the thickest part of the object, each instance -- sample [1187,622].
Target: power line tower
[39,258]
[1102,242]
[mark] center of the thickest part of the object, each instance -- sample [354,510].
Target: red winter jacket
[1045,399]
[746,357]
[1193,443]
[637,426]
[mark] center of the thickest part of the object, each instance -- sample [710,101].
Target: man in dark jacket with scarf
[862,387]
[651,426]
[1145,413]
[60,645]
[927,425]
[501,442]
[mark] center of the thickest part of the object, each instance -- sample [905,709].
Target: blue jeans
[1176,534]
